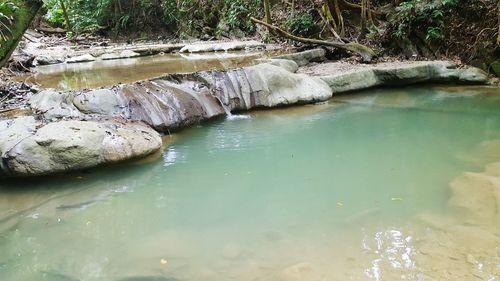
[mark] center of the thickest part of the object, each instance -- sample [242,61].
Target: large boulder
[176,101]
[30,148]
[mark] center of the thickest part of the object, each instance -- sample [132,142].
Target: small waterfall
[229,115]
[224,106]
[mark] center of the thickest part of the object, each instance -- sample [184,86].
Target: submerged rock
[478,196]
[31,148]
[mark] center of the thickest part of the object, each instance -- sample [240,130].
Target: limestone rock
[304,58]
[13,131]
[122,55]
[103,102]
[129,54]
[391,74]
[289,65]
[301,272]
[54,105]
[221,46]
[47,59]
[73,145]
[82,58]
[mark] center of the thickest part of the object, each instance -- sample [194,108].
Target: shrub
[301,24]
[424,16]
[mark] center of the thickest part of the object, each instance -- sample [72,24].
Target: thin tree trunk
[267,10]
[18,28]
[498,37]
[69,27]
[366,53]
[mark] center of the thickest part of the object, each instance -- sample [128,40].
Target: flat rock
[121,55]
[82,58]
[71,145]
[305,57]
[345,77]
[221,46]
[47,59]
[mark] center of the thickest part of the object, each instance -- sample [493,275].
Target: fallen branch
[51,30]
[366,53]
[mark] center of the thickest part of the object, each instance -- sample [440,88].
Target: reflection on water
[106,73]
[356,189]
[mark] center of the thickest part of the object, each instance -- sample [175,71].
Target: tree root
[365,52]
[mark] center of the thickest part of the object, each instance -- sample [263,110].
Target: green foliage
[424,16]
[236,13]
[301,24]
[54,13]
[7,11]
[181,17]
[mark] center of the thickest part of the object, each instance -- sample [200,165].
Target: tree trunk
[69,27]
[25,14]
[267,10]
[498,37]
[366,53]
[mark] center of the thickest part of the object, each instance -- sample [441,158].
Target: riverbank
[114,124]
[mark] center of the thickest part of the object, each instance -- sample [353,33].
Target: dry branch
[366,53]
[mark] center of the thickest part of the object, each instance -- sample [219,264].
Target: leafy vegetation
[301,24]
[179,17]
[420,16]
[7,11]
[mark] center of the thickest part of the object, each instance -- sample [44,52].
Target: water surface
[105,73]
[321,192]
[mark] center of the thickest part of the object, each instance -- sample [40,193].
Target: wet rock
[73,145]
[82,58]
[306,57]
[231,251]
[301,272]
[148,278]
[478,195]
[221,46]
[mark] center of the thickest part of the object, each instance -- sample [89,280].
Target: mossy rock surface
[495,67]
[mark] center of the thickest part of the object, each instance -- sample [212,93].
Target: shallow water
[334,191]
[105,73]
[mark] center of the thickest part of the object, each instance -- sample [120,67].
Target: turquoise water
[317,192]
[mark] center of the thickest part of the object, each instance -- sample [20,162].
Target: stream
[106,73]
[357,188]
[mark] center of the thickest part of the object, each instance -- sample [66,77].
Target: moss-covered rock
[23,15]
